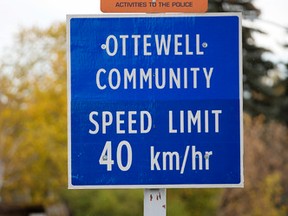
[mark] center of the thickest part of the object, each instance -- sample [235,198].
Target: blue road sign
[155,101]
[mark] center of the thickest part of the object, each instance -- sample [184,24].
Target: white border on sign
[68,99]
[71,186]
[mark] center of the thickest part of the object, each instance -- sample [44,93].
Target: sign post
[155,101]
[155,202]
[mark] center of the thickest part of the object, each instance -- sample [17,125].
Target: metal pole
[155,202]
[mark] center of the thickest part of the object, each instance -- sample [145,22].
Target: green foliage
[266,203]
[105,202]
[184,202]
[193,202]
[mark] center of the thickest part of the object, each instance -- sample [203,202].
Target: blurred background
[33,117]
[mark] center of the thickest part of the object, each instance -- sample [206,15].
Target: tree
[265,92]
[266,159]
[266,99]
[33,117]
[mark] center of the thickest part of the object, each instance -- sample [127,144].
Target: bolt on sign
[155,101]
[154,6]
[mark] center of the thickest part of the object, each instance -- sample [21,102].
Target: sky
[16,14]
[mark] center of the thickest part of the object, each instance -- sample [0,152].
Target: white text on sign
[148,45]
[188,76]
[201,121]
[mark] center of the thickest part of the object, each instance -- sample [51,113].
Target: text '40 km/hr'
[165,160]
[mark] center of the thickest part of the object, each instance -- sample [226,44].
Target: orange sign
[154,6]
